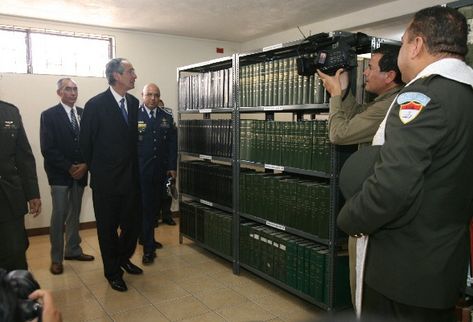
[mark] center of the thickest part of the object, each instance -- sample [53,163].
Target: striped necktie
[74,124]
[123,110]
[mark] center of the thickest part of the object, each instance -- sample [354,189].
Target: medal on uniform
[141,126]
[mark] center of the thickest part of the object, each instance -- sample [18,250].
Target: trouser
[67,202]
[151,193]
[165,212]
[377,307]
[14,244]
[113,212]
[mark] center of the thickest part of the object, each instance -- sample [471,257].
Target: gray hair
[60,82]
[114,66]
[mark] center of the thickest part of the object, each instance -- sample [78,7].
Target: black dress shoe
[148,258]
[118,284]
[131,268]
[169,222]
[82,257]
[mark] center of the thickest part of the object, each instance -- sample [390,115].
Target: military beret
[356,169]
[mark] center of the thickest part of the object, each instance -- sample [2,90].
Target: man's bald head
[151,95]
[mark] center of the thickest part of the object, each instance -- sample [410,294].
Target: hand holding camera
[334,84]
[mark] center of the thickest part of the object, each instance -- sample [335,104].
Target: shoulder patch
[410,105]
[167,110]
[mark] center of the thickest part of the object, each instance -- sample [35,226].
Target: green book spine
[270,98]
[275,82]
[290,81]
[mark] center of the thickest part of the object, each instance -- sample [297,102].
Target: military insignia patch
[410,105]
[409,111]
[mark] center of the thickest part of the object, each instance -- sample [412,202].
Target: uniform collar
[451,68]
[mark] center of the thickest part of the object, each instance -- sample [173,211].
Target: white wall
[155,58]
[355,21]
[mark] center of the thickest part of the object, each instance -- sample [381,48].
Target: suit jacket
[18,180]
[157,143]
[108,144]
[417,205]
[60,146]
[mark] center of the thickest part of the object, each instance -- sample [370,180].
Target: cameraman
[352,123]
[17,292]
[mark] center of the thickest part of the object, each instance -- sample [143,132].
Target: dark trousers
[113,212]
[151,192]
[165,212]
[378,308]
[14,244]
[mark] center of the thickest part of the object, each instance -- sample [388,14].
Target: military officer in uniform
[157,154]
[18,187]
[417,204]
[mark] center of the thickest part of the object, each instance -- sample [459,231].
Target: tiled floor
[186,283]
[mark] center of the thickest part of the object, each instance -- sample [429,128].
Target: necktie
[152,114]
[74,124]
[123,110]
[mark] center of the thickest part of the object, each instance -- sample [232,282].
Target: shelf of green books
[290,230]
[284,286]
[206,110]
[312,173]
[205,157]
[284,108]
[208,203]
[205,246]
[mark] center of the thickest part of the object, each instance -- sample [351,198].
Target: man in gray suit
[67,174]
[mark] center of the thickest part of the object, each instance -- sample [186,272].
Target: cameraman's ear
[390,76]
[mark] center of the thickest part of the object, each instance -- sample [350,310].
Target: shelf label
[274,167]
[274,225]
[205,110]
[273,108]
[205,202]
[205,157]
[272,47]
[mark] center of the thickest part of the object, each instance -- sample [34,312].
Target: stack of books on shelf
[209,137]
[302,144]
[294,261]
[212,89]
[276,82]
[215,226]
[209,181]
[286,200]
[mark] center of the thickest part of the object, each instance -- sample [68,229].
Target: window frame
[30,52]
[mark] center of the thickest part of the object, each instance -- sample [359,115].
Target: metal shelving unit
[337,156]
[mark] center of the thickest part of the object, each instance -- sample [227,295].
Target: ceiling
[227,20]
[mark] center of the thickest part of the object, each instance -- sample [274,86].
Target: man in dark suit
[157,154]
[108,140]
[417,205]
[67,174]
[18,188]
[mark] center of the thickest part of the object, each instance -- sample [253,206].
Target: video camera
[21,283]
[333,52]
